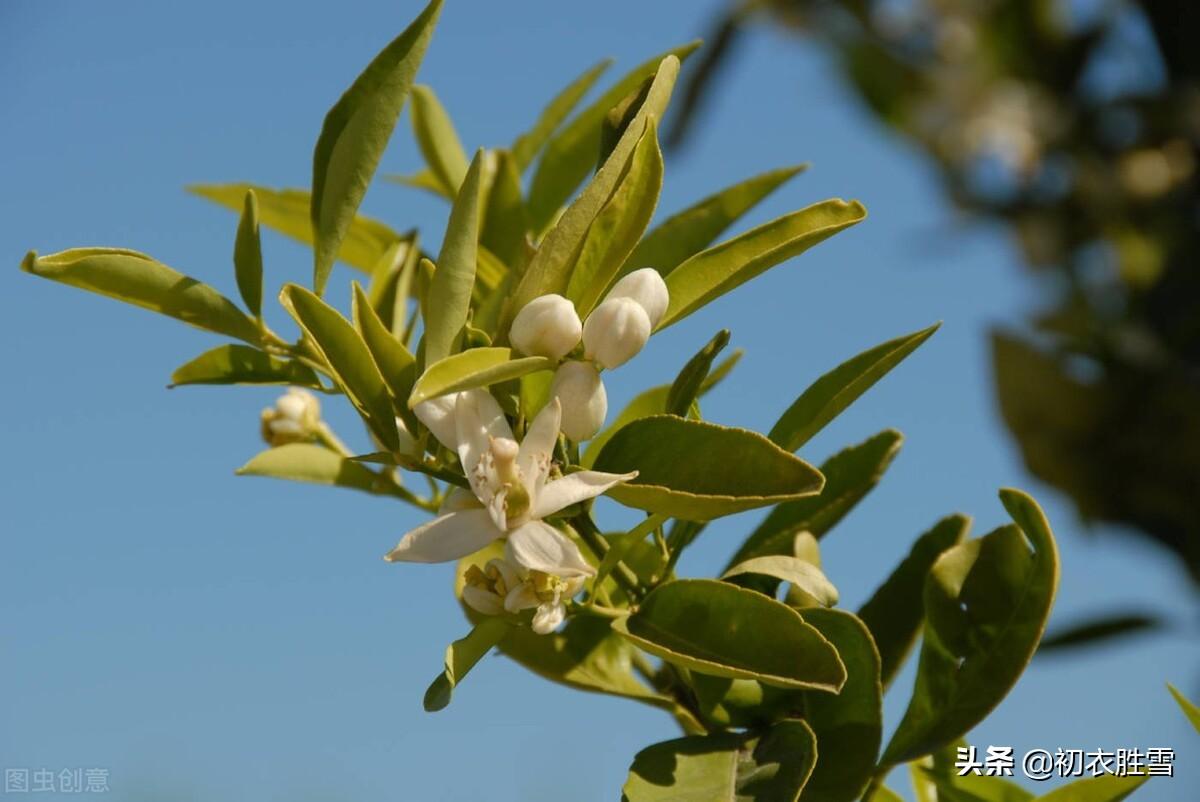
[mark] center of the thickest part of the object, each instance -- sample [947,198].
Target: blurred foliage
[1077,124]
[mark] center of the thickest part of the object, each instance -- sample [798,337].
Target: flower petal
[538,546]
[573,488]
[457,500]
[548,617]
[447,537]
[479,418]
[521,598]
[482,601]
[438,416]
[533,459]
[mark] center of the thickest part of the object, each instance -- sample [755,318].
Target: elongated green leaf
[477,367]
[350,361]
[1190,710]
[571,153]
[306,462]
[719,269]
[829,395]
[137,279]
[986,605]
[802,574]
[438,141]
[1105,788]
[725,767]
[397,366]
[549,269]
[895,611]
[450,290]
[354,135]
[686,233]
[686,387]
[527,146]
[937,779]
[287,211]
[504,220]
[725,631]
[461,657]
[391,283]
[619,224]
[849,726]
[849,476]
[696,470]
[652,401]
[247,256]
[422,179]
[1097,630]
[241,364]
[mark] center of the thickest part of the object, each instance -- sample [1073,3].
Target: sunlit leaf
[241,364]
[800,573]
[477,367]
[450,289]
[529,144]
[397,366]
[438,141]
[307,462]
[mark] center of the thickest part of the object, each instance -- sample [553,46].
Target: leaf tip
[29,263]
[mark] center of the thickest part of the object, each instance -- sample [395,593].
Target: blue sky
[208,637]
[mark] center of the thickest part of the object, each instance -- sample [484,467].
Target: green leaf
[461,657]
[986,605]
[422,179]
[241,364]
[397,366]
[287,211]
[571,153]
[1105,788]
[725,767]
[695,470]
[619,224]
[719,269]
[1098,630]
[725,631]
[895,611]
[686,387]
[849,726]
[829,395]
[686,233]
[550,268]
[306,462]
[527,146]
[504,221]
[849,476]
[350,361]
[137,279]
[937,779]
[881,793]
[450,290]
[438,141]
[1190,710]
[801,573]
[247,256]
[355,132]
[477,367]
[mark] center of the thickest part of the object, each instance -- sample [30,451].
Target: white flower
[615,331]
[579,390]
[438,416]
[646,286]
[546,326]
[294,418]
[503,586]
[513,493]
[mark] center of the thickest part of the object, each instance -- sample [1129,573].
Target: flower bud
[547,326]
[579,390]
[646,286]
[294,418]
[615,331]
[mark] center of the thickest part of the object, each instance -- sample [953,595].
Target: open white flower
[513,492]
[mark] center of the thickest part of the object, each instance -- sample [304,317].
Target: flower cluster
[615,331]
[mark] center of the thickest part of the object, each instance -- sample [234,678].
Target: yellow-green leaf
[241,364]
[307,462]
[802,574]
[527,146]
[438,141]
[247,256]
[461,657]
[477,367]
[450,290]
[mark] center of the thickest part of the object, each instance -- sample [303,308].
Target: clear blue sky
[207,637]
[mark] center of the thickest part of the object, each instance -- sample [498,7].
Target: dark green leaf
[686,387]
[725,631]
[450,290]
[461,657]
[686,233]
[1097,630]
[241,364]
[504,221]
[137,279]
[354,135]
[895,612]
[247,256]
[986,605]
[829,395]
[697,470]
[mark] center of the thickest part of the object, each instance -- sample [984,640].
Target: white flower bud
[294,418]
[646,286]
[615,331]
[579,390]
[547,326]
